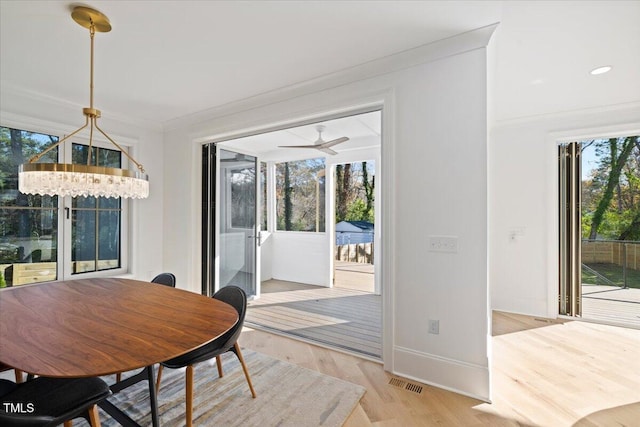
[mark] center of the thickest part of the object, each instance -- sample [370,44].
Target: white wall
[433,173]
[32,112]
[300,257]
[523,187]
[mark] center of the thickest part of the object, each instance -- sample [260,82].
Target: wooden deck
[341,317]
[353,275]
[611,304]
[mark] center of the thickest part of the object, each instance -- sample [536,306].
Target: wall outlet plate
[443,244]
[434,326]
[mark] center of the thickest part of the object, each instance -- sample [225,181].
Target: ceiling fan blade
[298,146]
[326,150]
[333,142]
[321,145]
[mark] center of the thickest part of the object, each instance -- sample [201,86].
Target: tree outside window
[28,223]
[300,195]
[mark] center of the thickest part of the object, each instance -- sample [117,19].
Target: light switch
[443,244]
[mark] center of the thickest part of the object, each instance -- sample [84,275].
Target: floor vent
[397,382]
[415,388]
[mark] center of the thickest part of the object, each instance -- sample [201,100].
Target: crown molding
[12,97]
[631,108]
[440,49]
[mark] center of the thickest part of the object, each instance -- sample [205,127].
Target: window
[95,221]
[300,195]
[46,238]
[28,224]
[242,181]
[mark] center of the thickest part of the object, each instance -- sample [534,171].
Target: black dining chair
[167,279]
[235,297]
[49,402]
[16,372]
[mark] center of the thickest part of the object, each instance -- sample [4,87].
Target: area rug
[287,395]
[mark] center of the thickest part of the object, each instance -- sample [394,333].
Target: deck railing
[611,262]
[360,252]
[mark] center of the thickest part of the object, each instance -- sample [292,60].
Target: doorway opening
[354,266]
[269,210]
[600,230]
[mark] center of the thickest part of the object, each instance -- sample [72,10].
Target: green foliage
[355,184]
[611,195]
[357,211]
[300,190]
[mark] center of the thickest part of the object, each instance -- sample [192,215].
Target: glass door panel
[238,236]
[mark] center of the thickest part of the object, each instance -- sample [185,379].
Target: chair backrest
[237,298]
[54,400]
[166,279]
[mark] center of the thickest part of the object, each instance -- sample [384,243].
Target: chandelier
[90,180]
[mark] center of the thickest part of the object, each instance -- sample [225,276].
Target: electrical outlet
[443,244]
[515,233]
[434,326]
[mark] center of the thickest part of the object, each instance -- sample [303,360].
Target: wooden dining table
[101,326]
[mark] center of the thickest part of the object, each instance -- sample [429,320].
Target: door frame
[377,207]
[553,140]
[383,100]
[211,238]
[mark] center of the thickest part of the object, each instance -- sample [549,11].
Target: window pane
[109,203]
[95,229]
[84,202]
[109,240]
[99,156]
[300,188]
[28,246]
[243,197]
[28,224]
[83,241]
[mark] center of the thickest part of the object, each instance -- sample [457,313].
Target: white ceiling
[363,130]
[168,59]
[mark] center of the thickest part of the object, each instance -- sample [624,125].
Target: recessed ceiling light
[601,70]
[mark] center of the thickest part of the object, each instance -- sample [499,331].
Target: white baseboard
[449,374]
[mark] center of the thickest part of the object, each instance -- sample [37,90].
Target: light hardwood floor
[544,373]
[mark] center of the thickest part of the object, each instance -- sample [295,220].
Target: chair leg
[219,363]
[18,374]
[94,417]
[244,368]
[158,378]
[189,396]
[68,423]
[118,377]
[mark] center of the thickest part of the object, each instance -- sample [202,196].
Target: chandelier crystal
[63,179]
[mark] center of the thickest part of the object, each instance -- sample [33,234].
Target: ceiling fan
[320,144]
